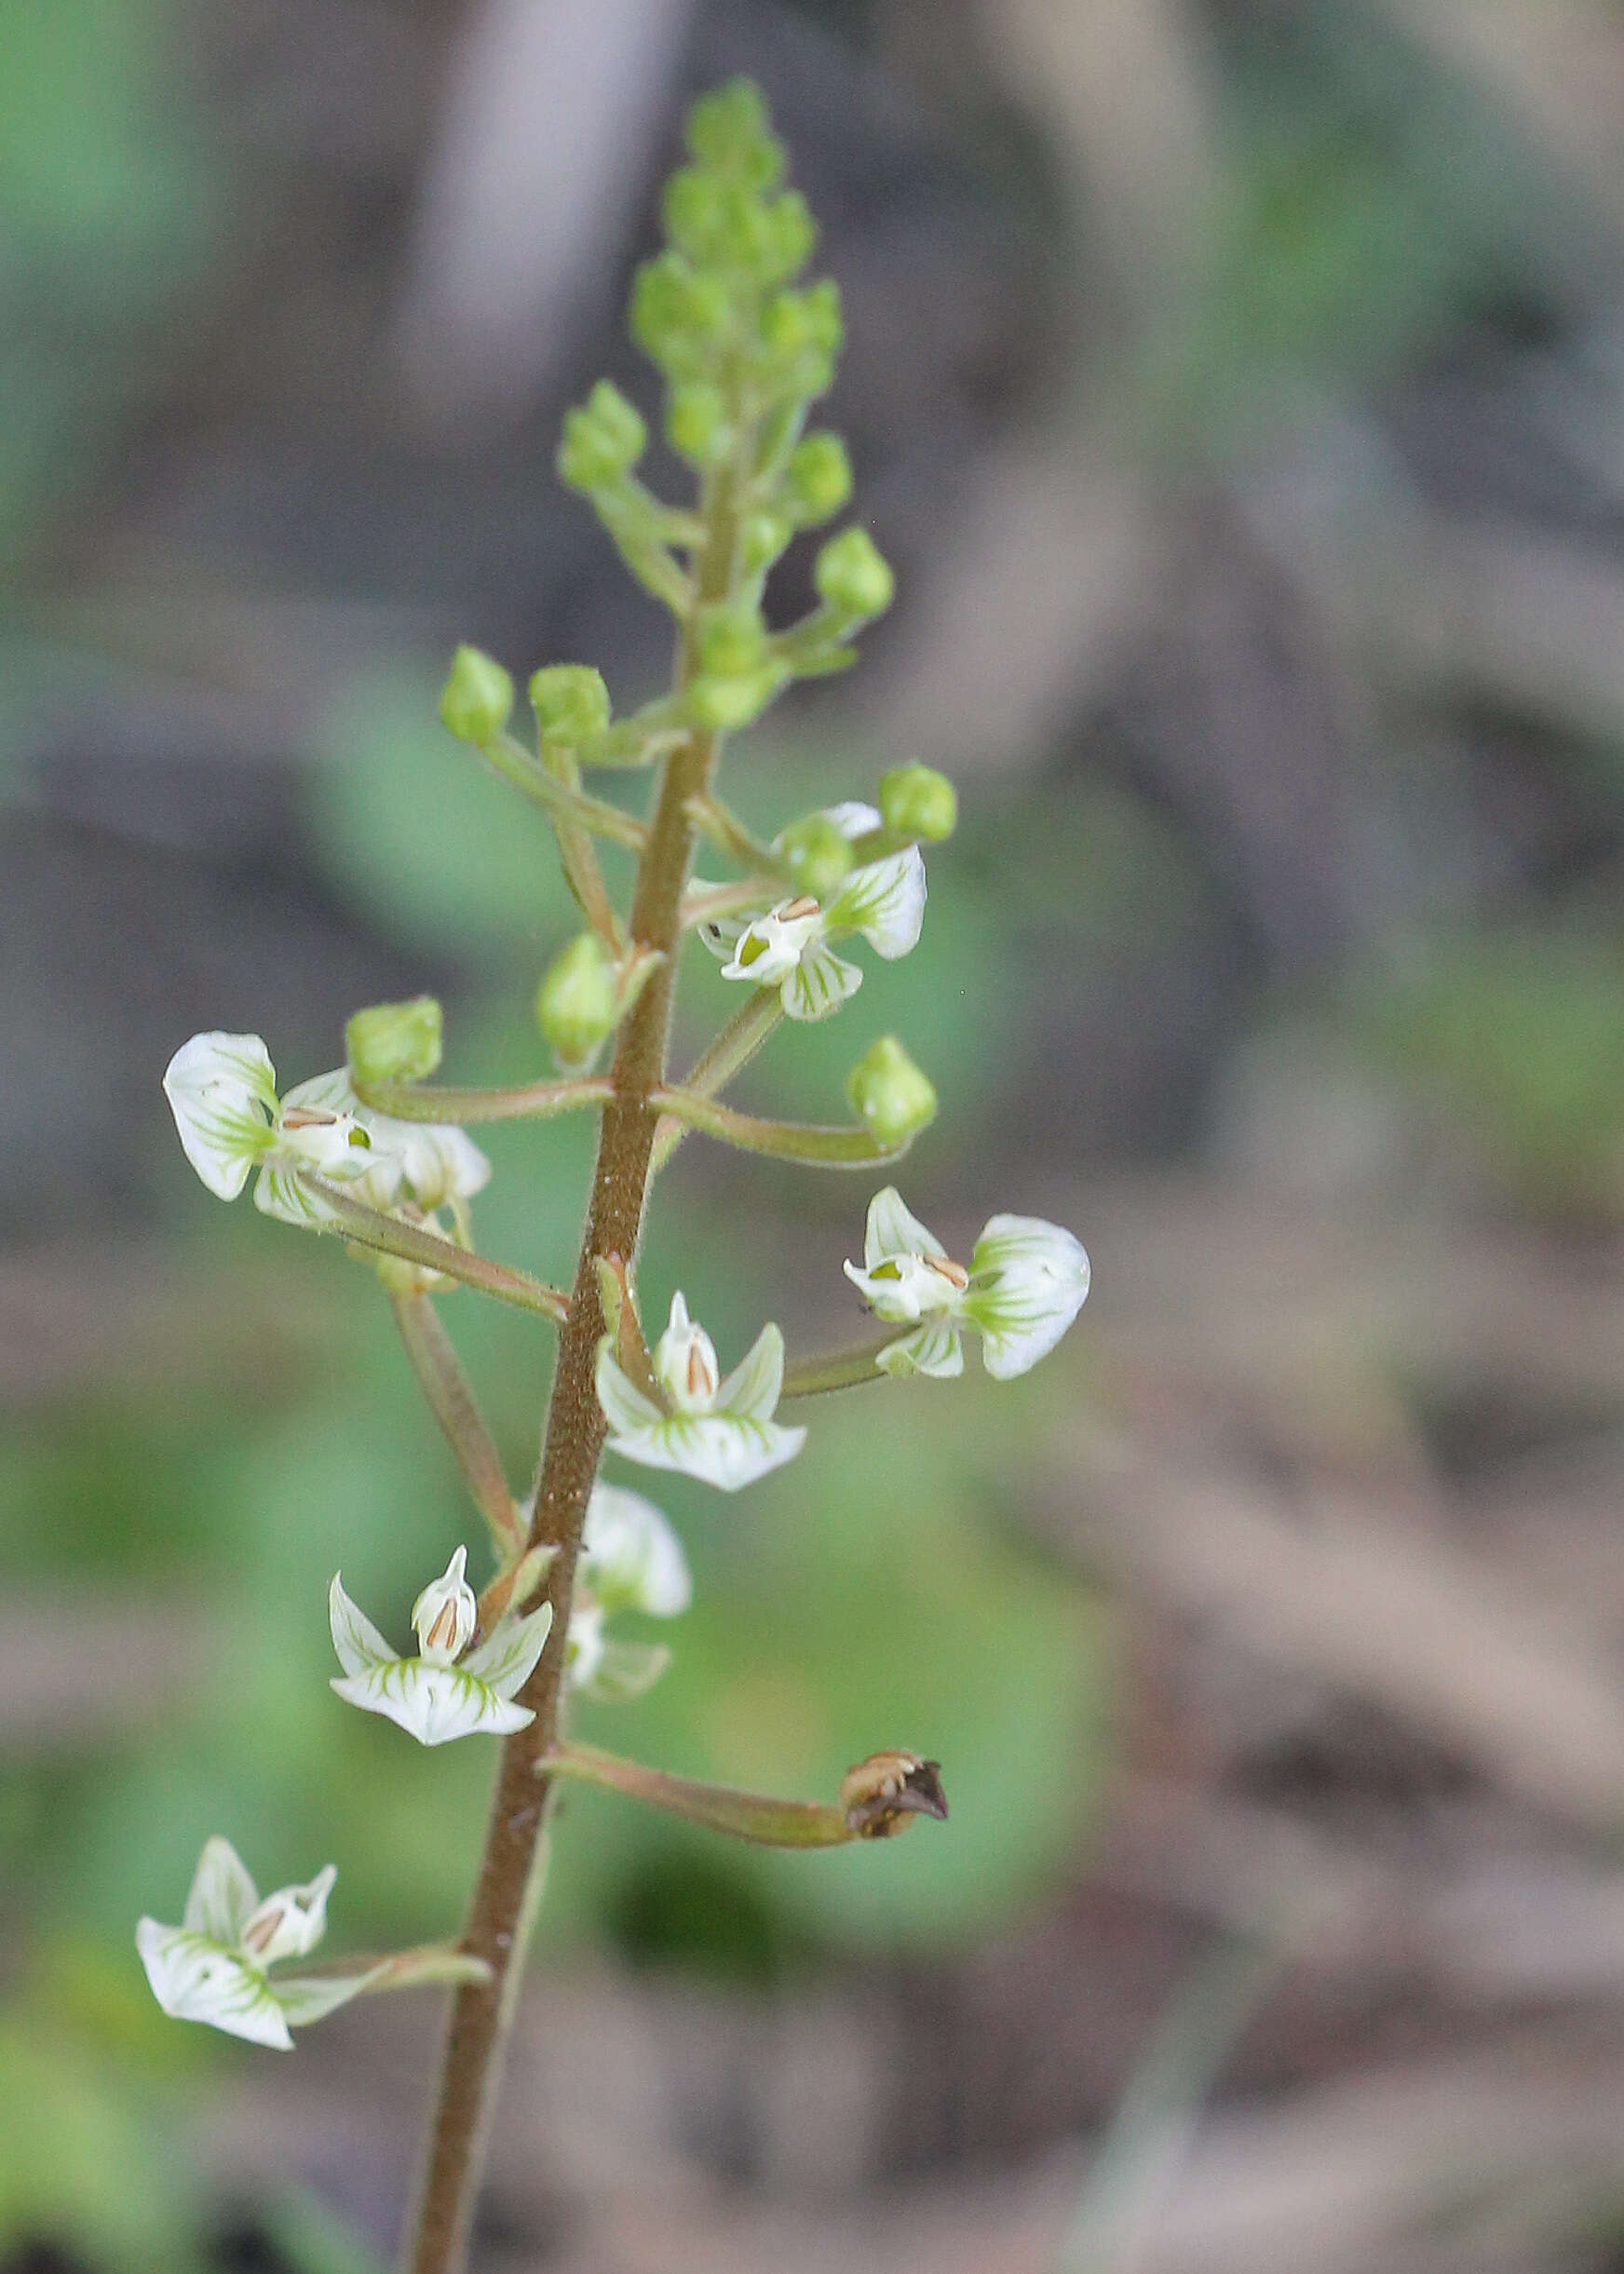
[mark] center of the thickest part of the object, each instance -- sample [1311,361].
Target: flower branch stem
[757,1817]
[387,1235]
[524,1102]
[446,1386]
[847,1147]
[508,1886]
[564,801]
[841,1370]
[728,1054]
[728,833]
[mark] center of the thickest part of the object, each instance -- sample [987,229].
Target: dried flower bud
[880,1795]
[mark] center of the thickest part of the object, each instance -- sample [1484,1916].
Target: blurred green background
[1237,386]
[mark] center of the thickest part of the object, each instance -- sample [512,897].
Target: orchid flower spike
[214,1966]
[222,1092]
[786,946]
[632,1560]
[719,1432]
[441,1693]
[1025,1283]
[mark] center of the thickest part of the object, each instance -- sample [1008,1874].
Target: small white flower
[222,1091]
[632,1560]
[1025,1283]
[213,1967]
[719,1432]
[787,946]
[440,1694]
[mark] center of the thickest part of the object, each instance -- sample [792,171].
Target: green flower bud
[890,1093]
[730,131]
[571,703]
[702,215]
[578,1001]
[796,324]
[818,478]
[393,1042]
[679,318]
[477,700]
[916,801]
[762,537]
[853,577]
[785,235]
[818,855]
[731,640]
[727,704]
[603,439]
[698,426]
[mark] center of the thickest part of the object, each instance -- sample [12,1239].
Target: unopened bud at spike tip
[895,1098]
[916,801]
[395,1042]
[578,1001]
[571,703]
[477,700]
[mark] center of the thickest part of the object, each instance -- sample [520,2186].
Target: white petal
[1028,1282]
[726,1450]
[624,1671]
[445,1613]
[222,1092]
[751,1390]
[853,819]
[279,1191]
[435,1704]
[195,1979]
[289,1922]
[357,1640]
[585,1644]
[427,1163]
[820,982]
[310,1997]
[885,901]
[632,1558]
[338,1142]
[937,1349]
[505,1660]
[222,1895]
[892,1229]
[720,934]
[624,1404]
[685,1361]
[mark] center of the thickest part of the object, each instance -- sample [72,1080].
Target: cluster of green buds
[377,1153]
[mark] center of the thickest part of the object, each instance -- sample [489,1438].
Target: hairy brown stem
[498,1919]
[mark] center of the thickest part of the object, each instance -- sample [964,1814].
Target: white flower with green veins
[213,1967]
[222,1092]
[787,946]
[440,1694]
[1026,1282]
[721,1431]
[632,1560]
